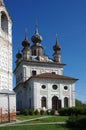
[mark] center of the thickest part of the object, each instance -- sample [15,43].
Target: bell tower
[5,48]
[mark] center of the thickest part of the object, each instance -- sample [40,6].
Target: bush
[77,122]
[63,112]
[42,112]
[36,112]
[31,112]
[71,122]
[81,123]
[52,112]
[72,111]
[25,111]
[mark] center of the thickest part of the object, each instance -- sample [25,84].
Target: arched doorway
[56,103]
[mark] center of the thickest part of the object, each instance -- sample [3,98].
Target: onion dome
[56,47]
[57,54]
[26,43]
[18,55]
[36,38]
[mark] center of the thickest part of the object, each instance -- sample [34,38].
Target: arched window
[4,22]
[65,102]
[43,102]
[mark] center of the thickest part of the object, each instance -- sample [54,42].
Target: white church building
[7,95]
[40,83]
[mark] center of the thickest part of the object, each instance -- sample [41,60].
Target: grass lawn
[39,127]
[26,125]
[54,119]
[23,117]
[50,119]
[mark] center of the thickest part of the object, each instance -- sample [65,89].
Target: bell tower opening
[4,22]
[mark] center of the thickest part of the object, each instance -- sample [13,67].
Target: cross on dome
[36,31]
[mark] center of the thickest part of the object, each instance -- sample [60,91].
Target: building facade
[40,83]
[7,109]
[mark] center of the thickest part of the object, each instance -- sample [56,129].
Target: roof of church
[48,76]
[53,76]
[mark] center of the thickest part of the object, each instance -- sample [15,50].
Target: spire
[56,39]
[26,42]
[36,31]
[26,33]
[56,46]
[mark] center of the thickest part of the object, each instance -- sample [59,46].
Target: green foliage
[31,112]
[36,112]
[77,122]
[78,103]
[52,112]
[72,111]
[26,112]
[42,112]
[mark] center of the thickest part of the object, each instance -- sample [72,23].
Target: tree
[79,103]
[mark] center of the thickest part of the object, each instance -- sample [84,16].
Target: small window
[33,72]
[65,87]
[53,73]
[54,87]
[43,86]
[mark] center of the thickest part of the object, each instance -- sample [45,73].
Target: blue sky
[65,17]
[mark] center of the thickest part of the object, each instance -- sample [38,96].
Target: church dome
[57,46]
[36,38]
[18,55]
[25,43]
